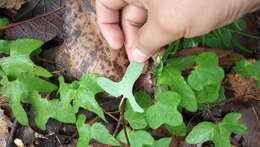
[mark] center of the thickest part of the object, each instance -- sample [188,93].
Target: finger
[151,37]
[133,18]
[108,19]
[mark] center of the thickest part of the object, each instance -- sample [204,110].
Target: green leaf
[100,133]
[201,133]
[209,94]
[83,95]
[247,69]
[230,122]
[172,77]
[19,61]
[218,133]
[219,38]
[181,63]
[190,42]
[56,109]
[97,131]
[5,46]
[24,46]
[15,92]
[135,119]
[19,91]
[177,130]
[124,88]
[207,73]
[136,138]
[4,22]
[165,110]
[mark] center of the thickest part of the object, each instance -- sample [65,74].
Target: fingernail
[138,56]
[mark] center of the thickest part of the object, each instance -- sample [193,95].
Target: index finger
[108,19]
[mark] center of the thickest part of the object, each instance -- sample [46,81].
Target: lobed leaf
[82,95]
[97,131]
[207,73]
[165,111]
[137,138]
[125,86]
[173,77]
[218,133]
[135,119]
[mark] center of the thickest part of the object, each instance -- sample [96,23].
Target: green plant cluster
[202,86]
[23,83]
[26,83]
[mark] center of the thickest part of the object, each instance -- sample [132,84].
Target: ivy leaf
[247,69]
[231,123]
[207,73]
[124,88]
[165,110]
[136,138]
[5,46]
[177,130]
[181,63]
[15,91]
[56,109]
[83,94]
[218,133]
[19,61]
[135,119]
[19,90]
[172,77]
[96,131]
[4,22]
[164,142]
[209,94]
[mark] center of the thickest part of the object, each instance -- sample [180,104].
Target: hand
[148,25]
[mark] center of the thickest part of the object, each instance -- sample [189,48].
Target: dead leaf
[42,28]
[245,88]
[11,4]
[4,124]
[84,50]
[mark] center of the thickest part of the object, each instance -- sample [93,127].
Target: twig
[112,116]
[256,116]
[122,120]
[11,137]
[31,19]
[45,60]
[211,114]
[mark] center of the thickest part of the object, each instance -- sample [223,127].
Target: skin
[143,26]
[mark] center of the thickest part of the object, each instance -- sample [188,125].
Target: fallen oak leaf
[125,86]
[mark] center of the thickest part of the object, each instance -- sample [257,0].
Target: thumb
[151,37]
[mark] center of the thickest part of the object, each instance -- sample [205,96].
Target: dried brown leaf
[4,133]
[245,88]
[43,28]
[11,4]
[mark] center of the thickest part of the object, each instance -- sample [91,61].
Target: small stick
[11,137]
[122,120]
[31,19]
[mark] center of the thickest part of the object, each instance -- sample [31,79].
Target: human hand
[148,25]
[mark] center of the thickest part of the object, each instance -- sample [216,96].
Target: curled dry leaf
[11,4]
[4,133]
[84,50]
[245,88]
